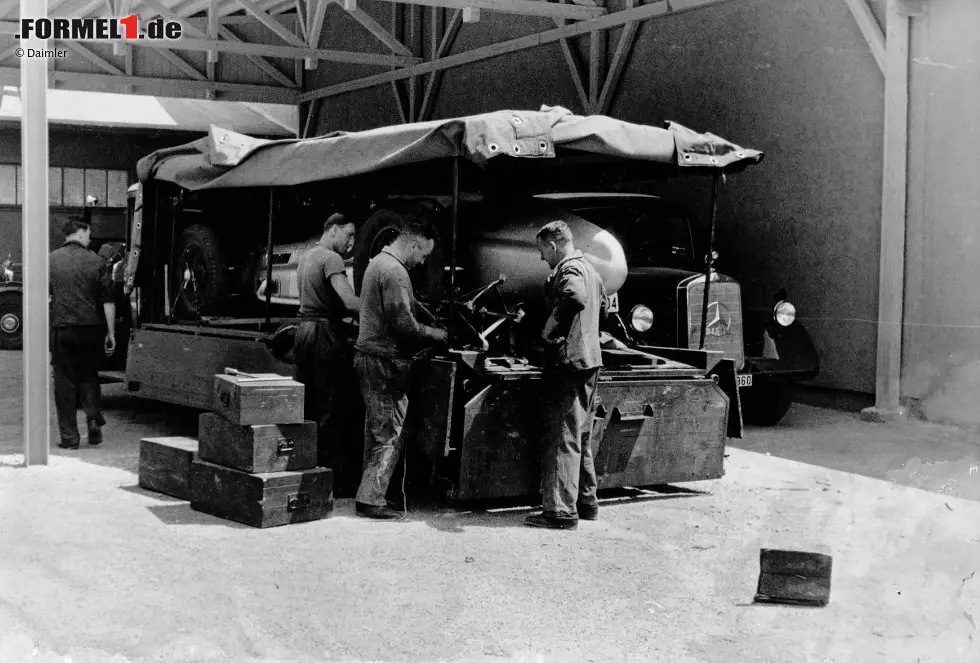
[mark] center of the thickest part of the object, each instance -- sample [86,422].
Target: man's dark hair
[418,227]
[73,224]
[557,232]
[335,219]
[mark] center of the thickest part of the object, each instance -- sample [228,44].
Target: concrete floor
[95,569]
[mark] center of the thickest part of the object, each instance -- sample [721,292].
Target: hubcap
[10,323]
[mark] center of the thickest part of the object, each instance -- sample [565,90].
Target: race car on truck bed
[660,303]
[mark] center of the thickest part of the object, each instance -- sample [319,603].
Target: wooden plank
[309,117]
[597,57]
[301,21]
[170,15]
[213,28]
[623,49]
[575,69]
[152,352]
[181,64]
[378,30]
[93,58]
[269,50]
[652,10]
[261,63]
[891,285]
[870,30]
[271,23]
[445,46]
[319,13]
[414,40]
[7,7]
[520,7]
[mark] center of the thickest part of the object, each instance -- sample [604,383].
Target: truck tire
[766,406]
[11,320]
[202,253]
[382,227]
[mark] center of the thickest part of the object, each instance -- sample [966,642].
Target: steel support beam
[36,239]
[891,284]
[445,45]
[520,7]
[272,51]
[870,30]
[615,19]
[271,94]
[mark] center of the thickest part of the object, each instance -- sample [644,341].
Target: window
[8,184]
[68,187]
[74,190]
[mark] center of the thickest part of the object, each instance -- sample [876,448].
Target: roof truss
[267,38]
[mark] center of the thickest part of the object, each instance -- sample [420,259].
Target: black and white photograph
[490,331]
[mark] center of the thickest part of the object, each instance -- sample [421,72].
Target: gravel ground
[96,569]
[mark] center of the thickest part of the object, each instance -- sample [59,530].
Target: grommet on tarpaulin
[517,120]
[517,149]
[493,147]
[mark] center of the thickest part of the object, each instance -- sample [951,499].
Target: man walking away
[390,335]
[577,302]
[321,347]
[82,331]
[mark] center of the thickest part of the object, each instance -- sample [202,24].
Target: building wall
[942,300]
[76,147]
[793,78]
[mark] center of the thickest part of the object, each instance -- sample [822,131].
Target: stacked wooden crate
[257,456]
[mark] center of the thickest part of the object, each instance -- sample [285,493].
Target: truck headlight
[784,313]
[641,317]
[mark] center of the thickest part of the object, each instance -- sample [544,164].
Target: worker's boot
[94,433]
[588,511]
[549,521]
[377,512]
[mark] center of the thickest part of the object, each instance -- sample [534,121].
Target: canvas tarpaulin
[226,159]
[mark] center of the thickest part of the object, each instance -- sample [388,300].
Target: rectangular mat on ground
[794,577]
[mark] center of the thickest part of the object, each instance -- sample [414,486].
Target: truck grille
[725,330]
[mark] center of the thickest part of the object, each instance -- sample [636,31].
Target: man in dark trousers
[390,335]
[82,331]
[321,347]
[577,302]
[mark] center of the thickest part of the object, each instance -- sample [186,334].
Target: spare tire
[380,230]
[11,320]
[200,283]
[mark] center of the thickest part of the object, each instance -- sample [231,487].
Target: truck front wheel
[765,406]
[11,320]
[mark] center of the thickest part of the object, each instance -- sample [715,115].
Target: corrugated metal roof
[132,110]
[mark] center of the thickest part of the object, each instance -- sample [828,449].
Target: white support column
[36,234]
[891,282]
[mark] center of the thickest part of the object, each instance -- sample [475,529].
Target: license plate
[743,380]
[614,303]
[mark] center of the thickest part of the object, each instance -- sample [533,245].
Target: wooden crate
[257,448]
[165,465]
[261,500]
[246,401]
[795,577]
